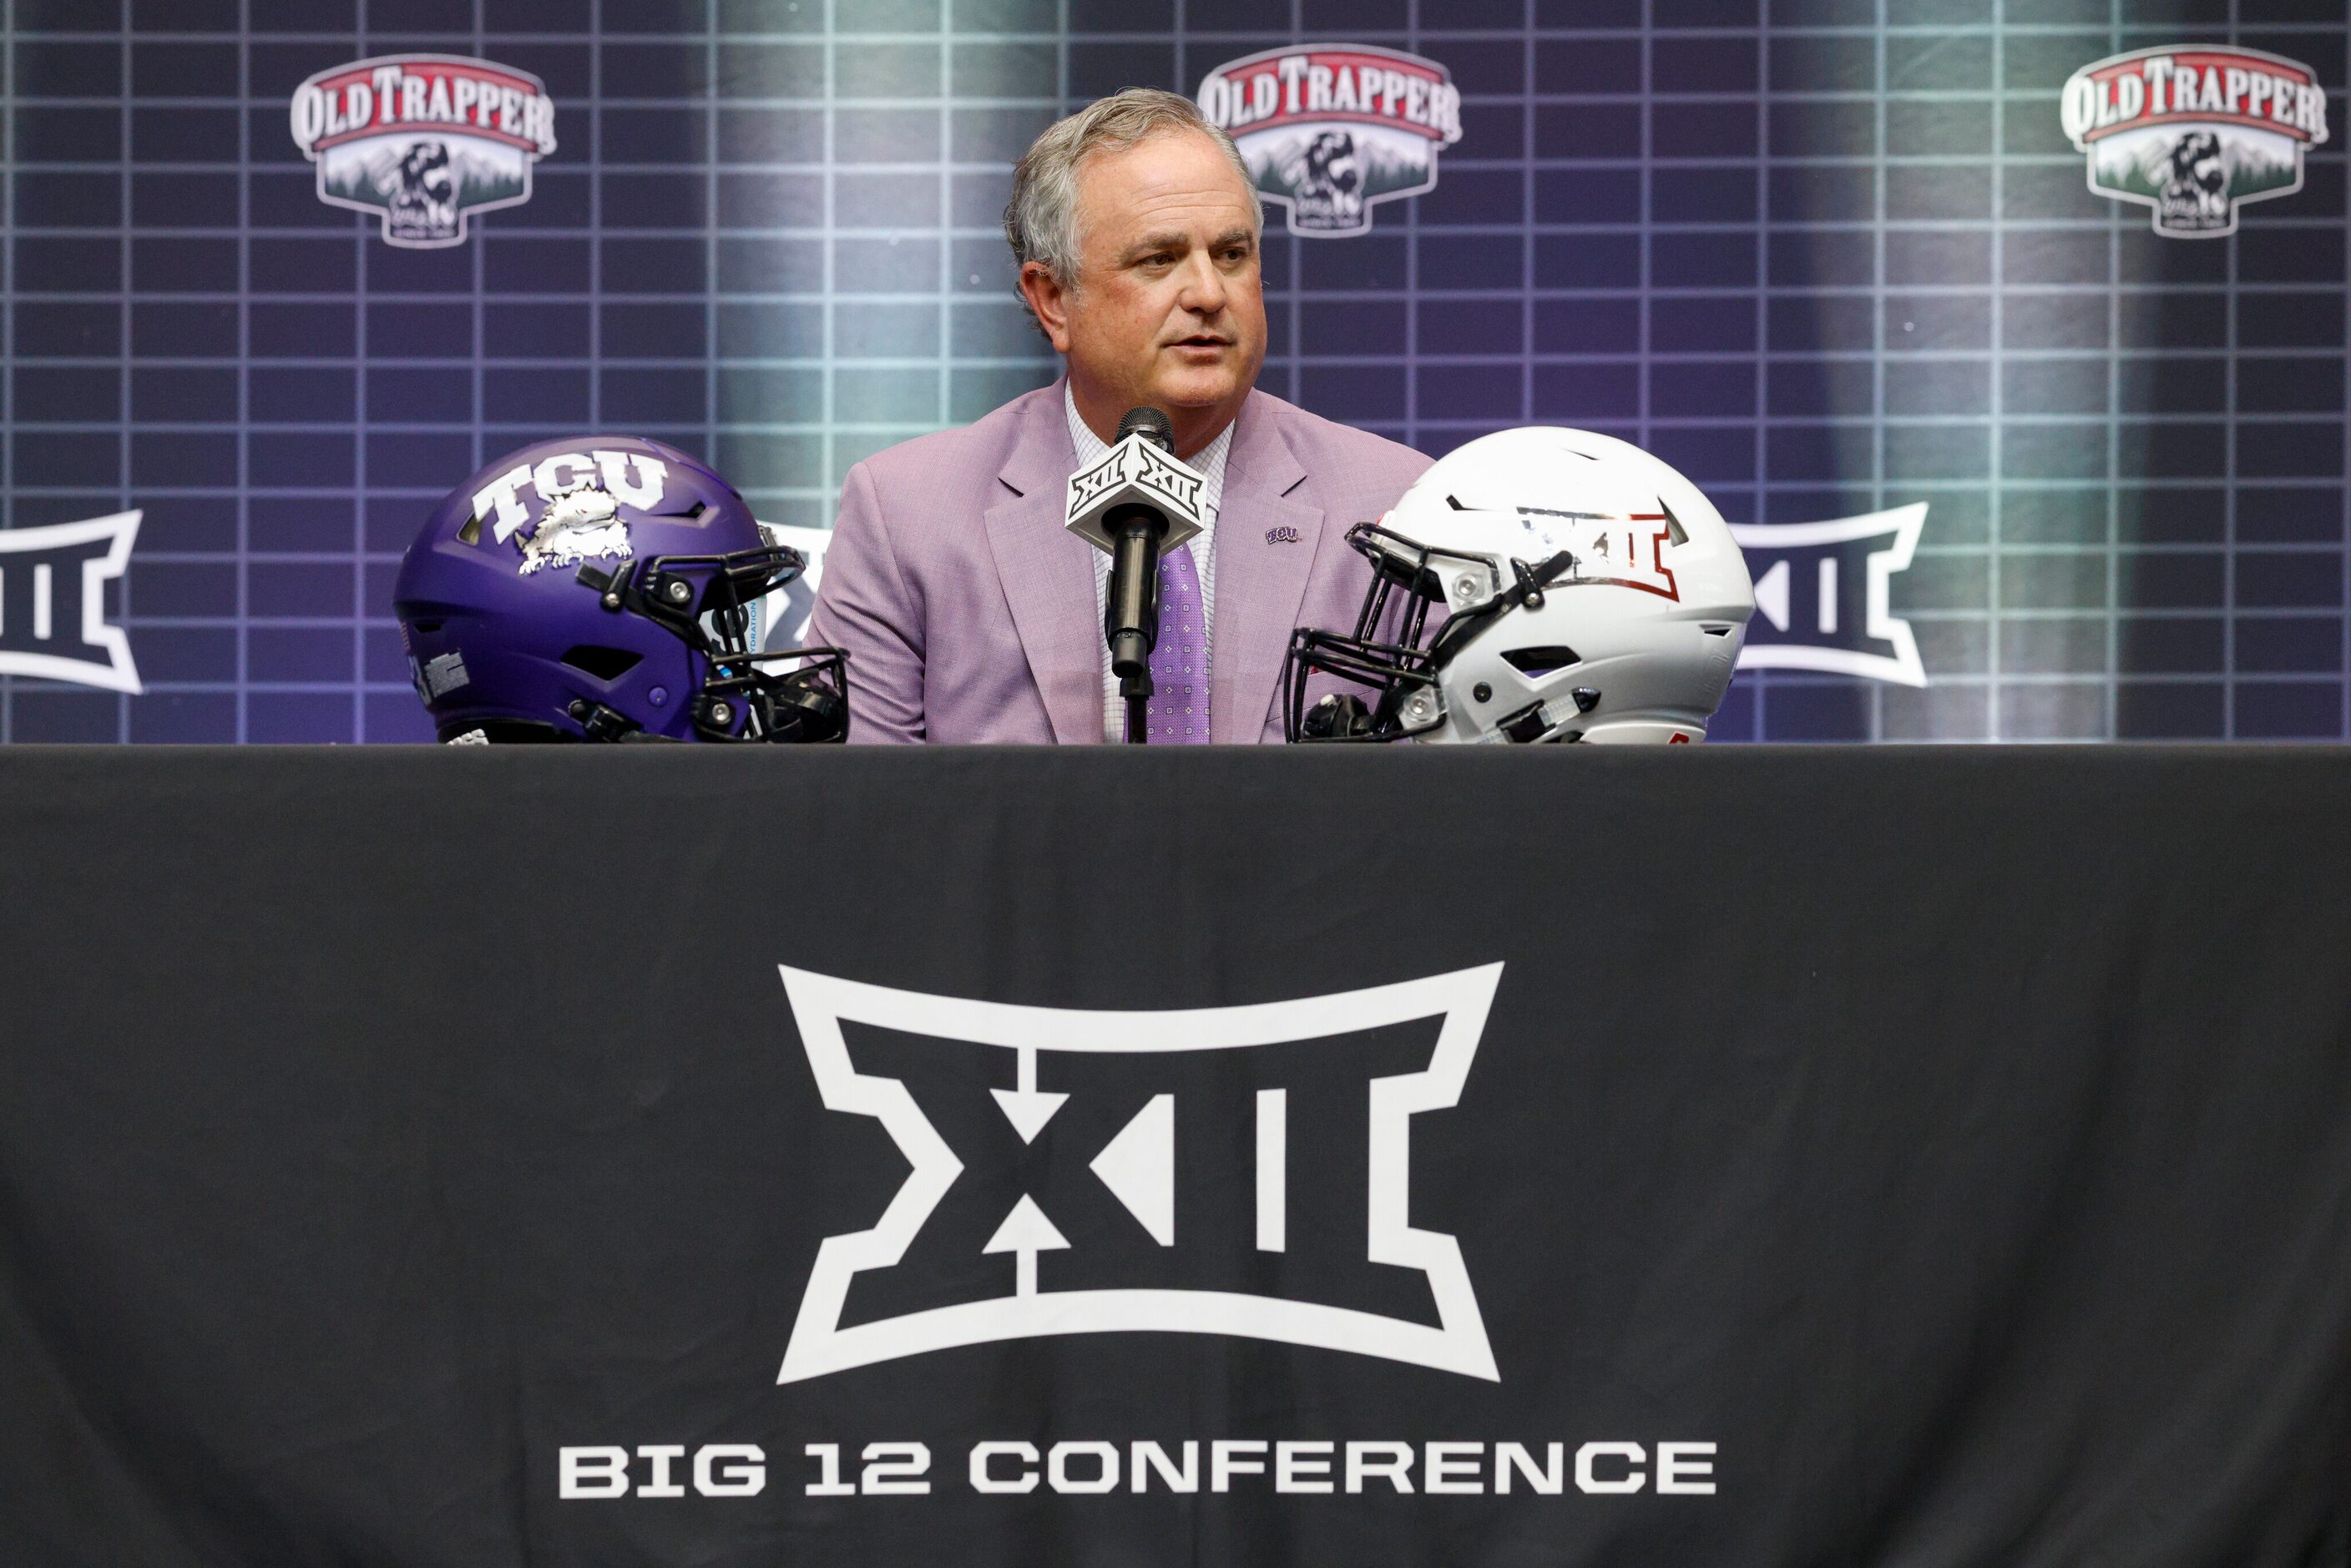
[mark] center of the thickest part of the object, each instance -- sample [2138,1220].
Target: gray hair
[1042,220]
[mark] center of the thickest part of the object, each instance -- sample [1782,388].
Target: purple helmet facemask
[602,588]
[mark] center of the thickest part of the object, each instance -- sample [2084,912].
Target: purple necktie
[1178,711]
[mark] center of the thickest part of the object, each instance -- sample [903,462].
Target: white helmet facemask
[1580,589]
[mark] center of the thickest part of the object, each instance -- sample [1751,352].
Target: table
[651,1154]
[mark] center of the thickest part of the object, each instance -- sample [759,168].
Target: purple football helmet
[603,588]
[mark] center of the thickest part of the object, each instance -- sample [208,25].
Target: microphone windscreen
[1150,423]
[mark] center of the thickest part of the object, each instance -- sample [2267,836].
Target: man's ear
[1049,300]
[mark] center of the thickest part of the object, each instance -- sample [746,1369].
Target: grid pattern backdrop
[1827,255]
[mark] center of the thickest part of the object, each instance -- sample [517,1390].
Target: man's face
[1168,308]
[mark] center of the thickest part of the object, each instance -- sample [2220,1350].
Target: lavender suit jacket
[968,610]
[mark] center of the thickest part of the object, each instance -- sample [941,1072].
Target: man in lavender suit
[969,612]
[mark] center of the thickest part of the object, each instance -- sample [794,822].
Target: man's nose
[1203,287]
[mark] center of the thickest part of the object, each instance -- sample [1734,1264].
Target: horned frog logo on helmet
[580,522]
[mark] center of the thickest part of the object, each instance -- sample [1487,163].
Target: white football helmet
[1586,592]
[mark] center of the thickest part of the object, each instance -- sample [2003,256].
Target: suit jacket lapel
[1047,573]
[1266,542]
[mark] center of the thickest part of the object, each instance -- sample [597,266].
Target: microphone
[1136,503]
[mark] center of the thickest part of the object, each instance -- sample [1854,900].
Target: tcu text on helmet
[568,471]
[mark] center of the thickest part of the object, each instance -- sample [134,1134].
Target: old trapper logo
[2195,128]
[424,140]
[1329,130]
[53,602]
[1121,1129]
[1824,595]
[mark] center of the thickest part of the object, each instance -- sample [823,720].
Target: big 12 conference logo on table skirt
[1180,1283]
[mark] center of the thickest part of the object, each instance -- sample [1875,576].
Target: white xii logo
[1138,1168]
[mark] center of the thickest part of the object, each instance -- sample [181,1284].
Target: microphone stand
[1132,610]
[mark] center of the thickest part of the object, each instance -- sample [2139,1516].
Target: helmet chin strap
[602,722]
[742,702]
[1342,716]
